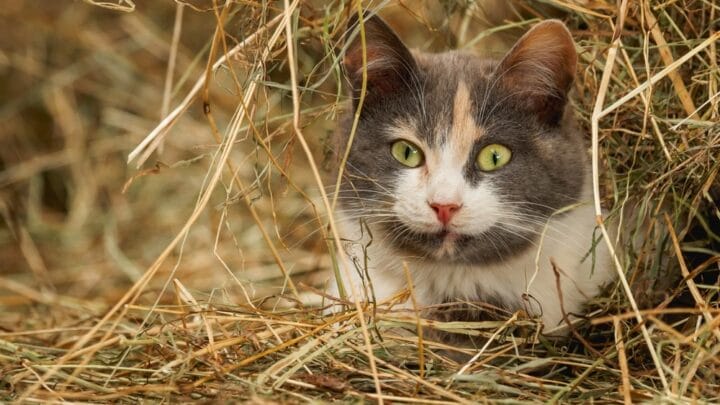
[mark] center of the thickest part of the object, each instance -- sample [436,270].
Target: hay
[184,280]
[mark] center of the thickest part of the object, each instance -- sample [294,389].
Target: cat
[472,174]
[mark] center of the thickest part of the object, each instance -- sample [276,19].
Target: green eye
[493,157]
[407,153]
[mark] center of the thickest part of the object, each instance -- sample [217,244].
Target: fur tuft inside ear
[390,66]
[539,70]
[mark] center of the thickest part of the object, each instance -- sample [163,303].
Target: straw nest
[187,274]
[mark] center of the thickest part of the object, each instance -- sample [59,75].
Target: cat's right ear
[389,64]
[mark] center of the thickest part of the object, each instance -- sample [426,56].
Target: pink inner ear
[389,63]
[380,70]
[539,70]
[543,61]
[384,72]
[375,60]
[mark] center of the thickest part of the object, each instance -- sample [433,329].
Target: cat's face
[459,158]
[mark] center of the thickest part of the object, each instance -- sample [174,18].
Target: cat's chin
[452,245]
[448,244]
[445,244]
[442,245]
[448,237]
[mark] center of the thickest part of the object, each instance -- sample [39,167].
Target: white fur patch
[526,278]
[444,183]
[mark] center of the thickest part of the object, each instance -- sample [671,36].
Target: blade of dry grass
[699,299]
[622,358]
[344,262]
[170,73]
[148,145]
[597,114]
[667,58]
[126,6]
[660,75]
[132,293]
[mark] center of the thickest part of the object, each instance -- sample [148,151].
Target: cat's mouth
[451,244]
[447,243]
[446,235]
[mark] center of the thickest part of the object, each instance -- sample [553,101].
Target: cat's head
[457,157]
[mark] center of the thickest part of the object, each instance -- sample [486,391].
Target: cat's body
[471,174]
[524,281]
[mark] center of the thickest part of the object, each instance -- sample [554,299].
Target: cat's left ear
[388,64]
[539,70]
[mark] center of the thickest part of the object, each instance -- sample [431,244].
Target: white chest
[561,271]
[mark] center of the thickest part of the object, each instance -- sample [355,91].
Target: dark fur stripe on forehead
[450,83]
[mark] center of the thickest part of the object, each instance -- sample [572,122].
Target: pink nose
[444,212]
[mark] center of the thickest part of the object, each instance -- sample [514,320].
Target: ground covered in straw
[187,273]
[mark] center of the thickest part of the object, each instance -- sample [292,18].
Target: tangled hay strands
[126,6]
[219,311]
[139,286]
[148,145]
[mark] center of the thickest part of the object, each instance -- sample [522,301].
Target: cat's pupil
[495,158]
[408,151]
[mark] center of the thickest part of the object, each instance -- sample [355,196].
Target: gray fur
[548,164]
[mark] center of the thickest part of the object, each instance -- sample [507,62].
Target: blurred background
[82,85]
[84,82]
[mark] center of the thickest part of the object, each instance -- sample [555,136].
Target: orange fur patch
[464,132]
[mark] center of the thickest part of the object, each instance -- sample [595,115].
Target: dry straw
[200,277]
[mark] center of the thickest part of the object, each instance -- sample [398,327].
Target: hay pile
[182,279]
